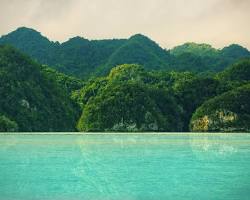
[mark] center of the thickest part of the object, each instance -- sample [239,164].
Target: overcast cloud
[168,22]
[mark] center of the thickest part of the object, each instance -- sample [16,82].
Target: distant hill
[31,98]
[234,51]
[239,71]
[203,57]
[84,58]
[32,43]
[202,50]
[81,57]
[138,49]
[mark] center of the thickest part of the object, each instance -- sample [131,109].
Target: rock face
[229,112]
[215,121]
[150,124]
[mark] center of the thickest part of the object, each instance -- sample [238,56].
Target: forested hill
[32,97]
[132,99]
[35,97]
[85,58]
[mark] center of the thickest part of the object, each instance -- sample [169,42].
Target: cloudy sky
[168,22]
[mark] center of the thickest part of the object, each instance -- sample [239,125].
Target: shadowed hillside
[32,100]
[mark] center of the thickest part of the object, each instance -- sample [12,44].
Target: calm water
[125,167]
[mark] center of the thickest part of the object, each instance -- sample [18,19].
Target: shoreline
[121,133]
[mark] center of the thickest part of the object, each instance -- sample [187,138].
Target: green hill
[123,101]
[120,101]
[138,50]
[31,42]
[202,50]
[239,71]
[204,58]
[148,93]
[130,98]
[81,57]
[78,56]
[234,76]
[30,99]
[225,113]
[234,51]
[228,111]
[85,58]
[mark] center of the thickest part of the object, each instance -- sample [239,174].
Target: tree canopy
[31,100]
[85,58]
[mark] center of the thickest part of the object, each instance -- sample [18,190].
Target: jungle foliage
[31,100]
[121,85]
[85,58]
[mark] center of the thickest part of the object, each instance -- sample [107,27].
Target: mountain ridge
[38,98]
[85,58]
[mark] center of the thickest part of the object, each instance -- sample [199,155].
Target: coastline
[121,133]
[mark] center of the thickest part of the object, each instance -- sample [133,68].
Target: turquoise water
[125,167]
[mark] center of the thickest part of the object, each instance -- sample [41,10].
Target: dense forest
[85,58]
[121,85]
[33,99]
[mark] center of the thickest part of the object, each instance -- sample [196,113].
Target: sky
[168,22]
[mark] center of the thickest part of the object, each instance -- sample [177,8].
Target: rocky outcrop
[229,112]
[221,120]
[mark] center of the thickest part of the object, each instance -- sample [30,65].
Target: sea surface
[125,166]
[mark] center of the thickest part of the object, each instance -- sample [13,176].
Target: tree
[7,125]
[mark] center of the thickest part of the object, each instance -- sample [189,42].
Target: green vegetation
[84,58]
[66,82]
[30,100]
[230,110]
[129,96]
[78,56]
[238,72]
[124,102]
[204,58]
[132,99]
[225,113]
[138,50]
[233,52]
[191,93]
[203,50]
[184,89]
[6,125]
